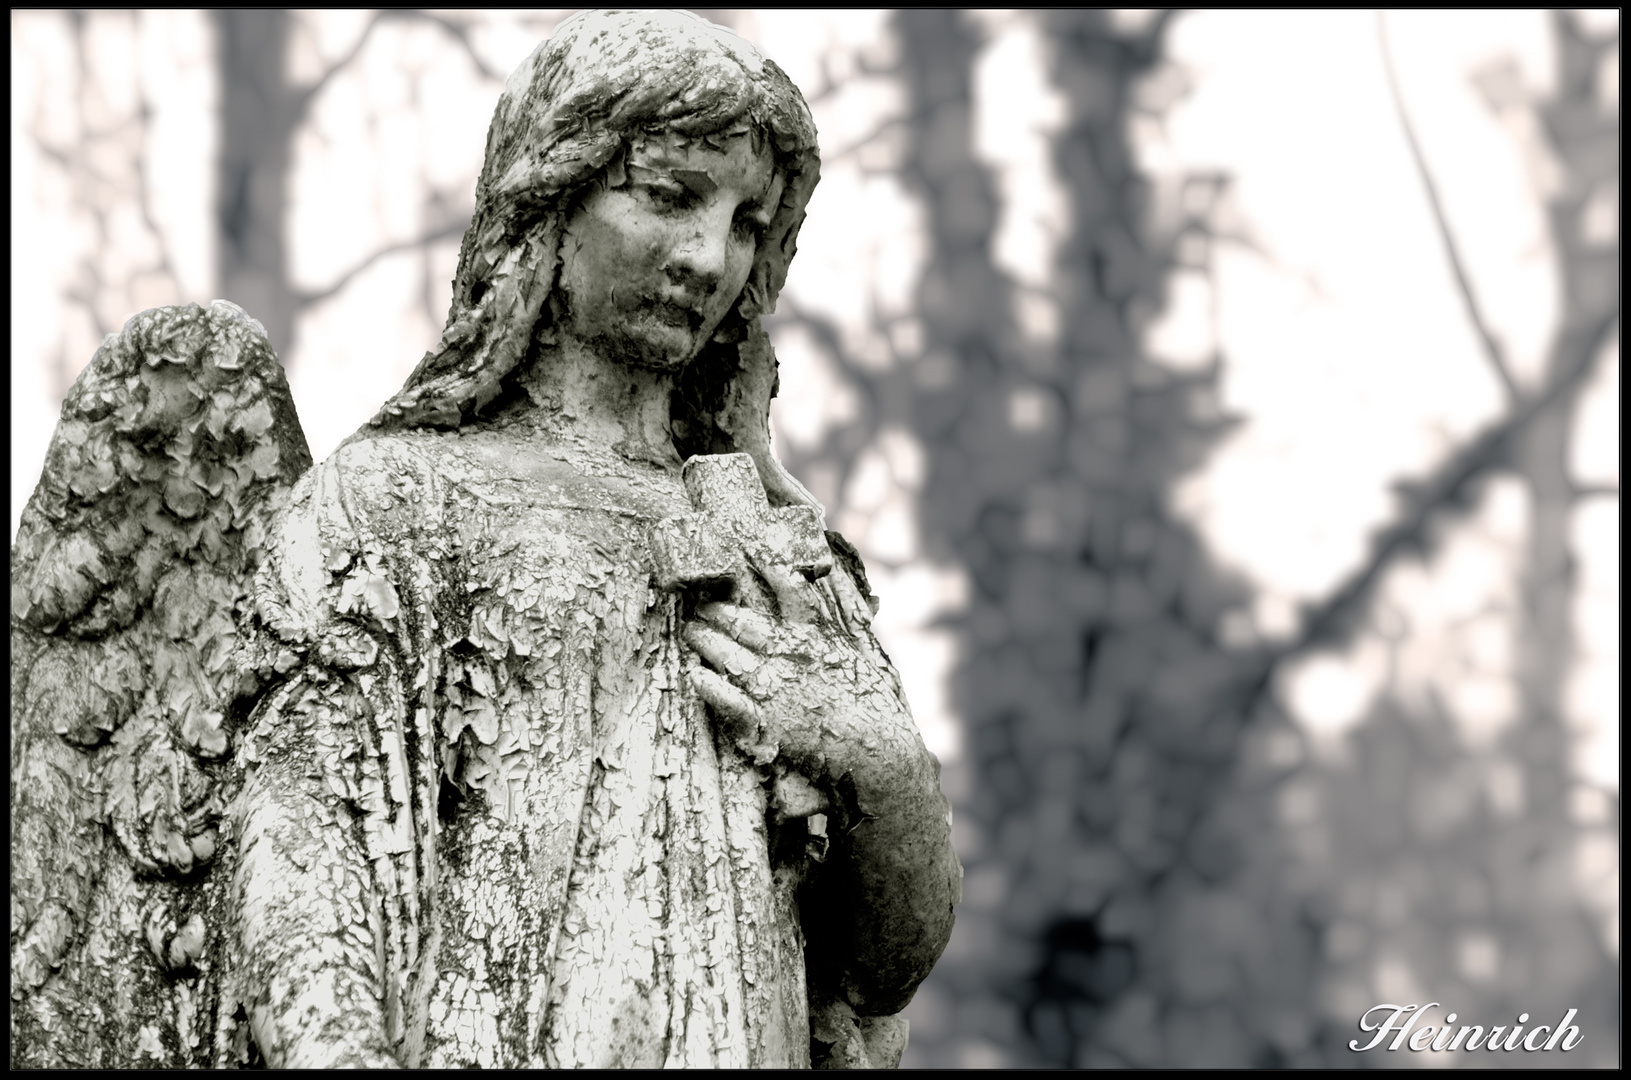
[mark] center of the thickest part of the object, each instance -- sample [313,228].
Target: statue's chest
[557,668]
[553,551]
[560,647]
[607,885]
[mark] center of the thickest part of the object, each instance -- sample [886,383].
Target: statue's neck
[601,402]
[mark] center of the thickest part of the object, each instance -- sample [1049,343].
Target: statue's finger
[752,628]
[730,705]
[720,651]
[793,599]
[746,586]
[857,613]
[765,634]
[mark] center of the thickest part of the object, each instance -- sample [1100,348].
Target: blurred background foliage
[1226,405]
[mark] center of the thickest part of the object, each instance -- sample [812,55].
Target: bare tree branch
[144,200]
[459,31]
[305,97]
[1492,348]
[842,442]
[305,300]
[88,289]
[855,145]
[1449,486]
[1594,491]
[1146,45]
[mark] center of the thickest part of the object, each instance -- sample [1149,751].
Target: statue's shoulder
[400,461]
[511,470]
[388,488]
[361,534]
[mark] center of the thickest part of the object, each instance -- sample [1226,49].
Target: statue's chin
[654,346]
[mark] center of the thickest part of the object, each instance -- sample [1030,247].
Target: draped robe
[551,860]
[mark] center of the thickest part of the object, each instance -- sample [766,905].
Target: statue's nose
[700,252]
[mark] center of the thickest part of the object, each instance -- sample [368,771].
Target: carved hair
[567,114]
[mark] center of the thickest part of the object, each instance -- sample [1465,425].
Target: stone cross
[733,524]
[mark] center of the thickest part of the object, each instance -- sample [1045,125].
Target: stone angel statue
[541,724]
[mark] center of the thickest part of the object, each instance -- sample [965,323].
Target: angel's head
[658,252]
[645,177]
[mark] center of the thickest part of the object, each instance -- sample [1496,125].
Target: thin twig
[460,31]
[857,144]
[144,200]
[1492,348]
[827,336]
[1446,487]
[455,228]
[1594,491]
[305,97]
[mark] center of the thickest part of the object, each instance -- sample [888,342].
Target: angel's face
[655,256]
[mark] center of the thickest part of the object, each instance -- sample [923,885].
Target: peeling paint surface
[603,890]
[129,584]
[424,756]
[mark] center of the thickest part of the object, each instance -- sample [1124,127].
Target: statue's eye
[749,223]
[668,195]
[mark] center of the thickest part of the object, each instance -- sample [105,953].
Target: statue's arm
[335,858]
[893,876]
[814,691]
[304,893]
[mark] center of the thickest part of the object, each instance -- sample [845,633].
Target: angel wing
[130,579]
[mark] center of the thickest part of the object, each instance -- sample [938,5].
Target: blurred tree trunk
[1099,713]
[1585,137]
[260,110]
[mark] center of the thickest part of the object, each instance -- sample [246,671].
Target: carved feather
[130,579]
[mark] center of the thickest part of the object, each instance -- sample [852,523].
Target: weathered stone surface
[129,580]
[485,742]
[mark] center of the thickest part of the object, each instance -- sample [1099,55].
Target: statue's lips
[676,315]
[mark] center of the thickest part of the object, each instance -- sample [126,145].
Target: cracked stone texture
[406,759]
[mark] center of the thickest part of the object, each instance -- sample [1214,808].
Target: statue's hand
[803,689]
[811,690]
